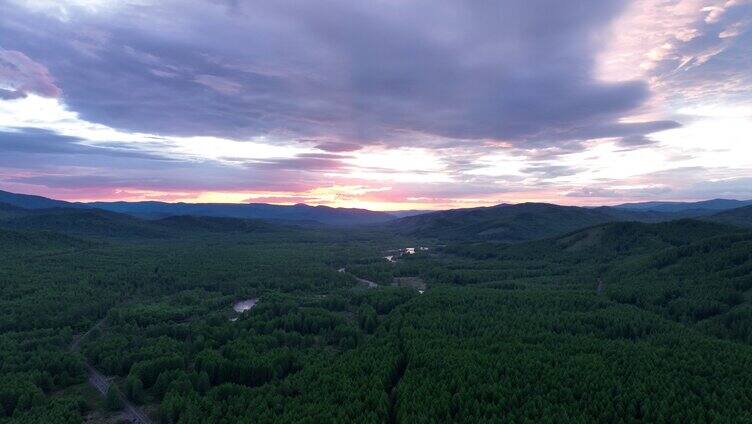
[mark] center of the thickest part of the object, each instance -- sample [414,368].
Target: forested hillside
[700,208]
[616,322]
[85,222]
[740,216]
[103,224]
[515,223]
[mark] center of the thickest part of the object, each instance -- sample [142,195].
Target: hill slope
[638,237]
[81,222]
[28,201]
[514,223]
[741,217]
[702,207]
[600,243]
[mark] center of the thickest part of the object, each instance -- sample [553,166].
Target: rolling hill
[704,207]
[28,201]
[514,223]
[81,222]
[640,237]
[741,217]
[600,243]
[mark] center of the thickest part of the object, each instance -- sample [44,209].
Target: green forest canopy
[515,332]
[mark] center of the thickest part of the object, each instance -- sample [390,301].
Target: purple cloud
[23,75]
[469,83]
[343,73]
[11,94]
[34,158]
[338,147]
[550,171]
[307,163]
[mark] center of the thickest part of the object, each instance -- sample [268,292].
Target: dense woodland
[617,322]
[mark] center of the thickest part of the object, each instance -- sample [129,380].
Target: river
[244,305]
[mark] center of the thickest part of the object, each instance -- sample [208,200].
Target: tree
[367,318]
[112,401]
[134,389]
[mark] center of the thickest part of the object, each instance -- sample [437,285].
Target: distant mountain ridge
[504,222]
[299,212]
[156,210]
[713,205]
[28,201]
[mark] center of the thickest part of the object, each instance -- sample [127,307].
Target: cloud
[281,199]
[20,75]
[550,171]
[307,163]
[455,104]
[618,129]
[597,192]
[679,184]
[338,147]
[46,142]
[689,50]
[619,193]
[222,85]
[738,188]
[11,94]
[32,158]
[635,141]
[344,73]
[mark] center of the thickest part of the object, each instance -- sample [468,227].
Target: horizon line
[427,209]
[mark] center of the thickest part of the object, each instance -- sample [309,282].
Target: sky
[379,104]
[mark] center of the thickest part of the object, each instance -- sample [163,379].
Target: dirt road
[367,283]
[101,383]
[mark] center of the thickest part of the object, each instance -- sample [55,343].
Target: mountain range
[156,210]
[716,205]
[505,222]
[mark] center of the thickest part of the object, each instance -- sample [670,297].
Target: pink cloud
[23,75]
